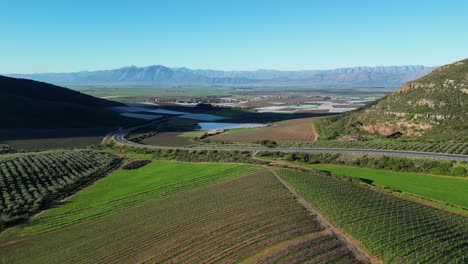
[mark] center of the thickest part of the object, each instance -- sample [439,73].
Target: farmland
[251,218]
[5,149]
[449,189]
[447,147]
[30,181]
[169,139]
[393,229]
[126,188]
[289,130]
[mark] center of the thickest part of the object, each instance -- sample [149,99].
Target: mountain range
[158,75]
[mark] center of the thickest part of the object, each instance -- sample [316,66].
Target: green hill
[432,108]
[30,104]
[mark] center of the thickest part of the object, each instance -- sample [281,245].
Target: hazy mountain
[158,75]
[31,104]
[434,106]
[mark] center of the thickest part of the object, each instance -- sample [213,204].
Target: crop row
[450,148]
[394,229]
[223,223]
[55,220]
[28,181]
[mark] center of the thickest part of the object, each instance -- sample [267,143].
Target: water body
[213,126]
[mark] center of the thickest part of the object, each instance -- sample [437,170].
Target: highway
[120,138]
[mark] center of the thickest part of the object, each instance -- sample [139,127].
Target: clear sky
[68,35]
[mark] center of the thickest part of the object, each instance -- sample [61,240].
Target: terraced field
[289,130]
[248,219]
[391,228]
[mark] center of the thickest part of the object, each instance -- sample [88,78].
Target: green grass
[117,93]
[448,189]
[126,188]
[192,134]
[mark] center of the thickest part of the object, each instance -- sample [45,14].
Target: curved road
[120,137]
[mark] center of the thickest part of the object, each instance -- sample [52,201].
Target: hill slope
[434,108]
[158,75]
[30,104]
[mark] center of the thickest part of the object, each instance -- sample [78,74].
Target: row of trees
[30,181]
[195,155]
[449,147]
[440,167]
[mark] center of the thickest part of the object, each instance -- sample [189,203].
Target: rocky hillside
[434,107]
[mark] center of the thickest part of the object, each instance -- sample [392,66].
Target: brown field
[289,130]
[249,219]
[168,139]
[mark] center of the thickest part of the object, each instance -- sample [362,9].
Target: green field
[393,229]
[448,189]
[118,93]
[126,188]
[250,218]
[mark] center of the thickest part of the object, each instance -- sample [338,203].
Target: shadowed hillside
[30,104]
[432,108]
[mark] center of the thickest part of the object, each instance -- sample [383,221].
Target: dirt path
[350,243]
[314,132]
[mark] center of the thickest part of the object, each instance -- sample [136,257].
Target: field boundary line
[353,245]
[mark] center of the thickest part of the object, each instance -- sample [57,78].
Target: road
[120,137]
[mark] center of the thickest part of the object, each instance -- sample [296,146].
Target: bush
[135,164]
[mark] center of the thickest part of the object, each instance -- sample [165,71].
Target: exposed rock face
[437,102]
[405,128]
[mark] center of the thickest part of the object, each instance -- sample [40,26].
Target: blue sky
[67,35]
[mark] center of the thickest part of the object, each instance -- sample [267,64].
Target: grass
[223,223]
[123,92]
[126,188]
[447,189]
[192,134]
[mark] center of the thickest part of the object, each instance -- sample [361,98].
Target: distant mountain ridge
[158,75]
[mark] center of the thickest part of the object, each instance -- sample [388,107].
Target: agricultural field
[393,229]
[6,149]
[174,139]
[127,188]
[32,180]
[289,130]
[448,147]
[449,189]
[247,219]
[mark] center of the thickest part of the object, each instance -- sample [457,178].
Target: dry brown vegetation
[289,130]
